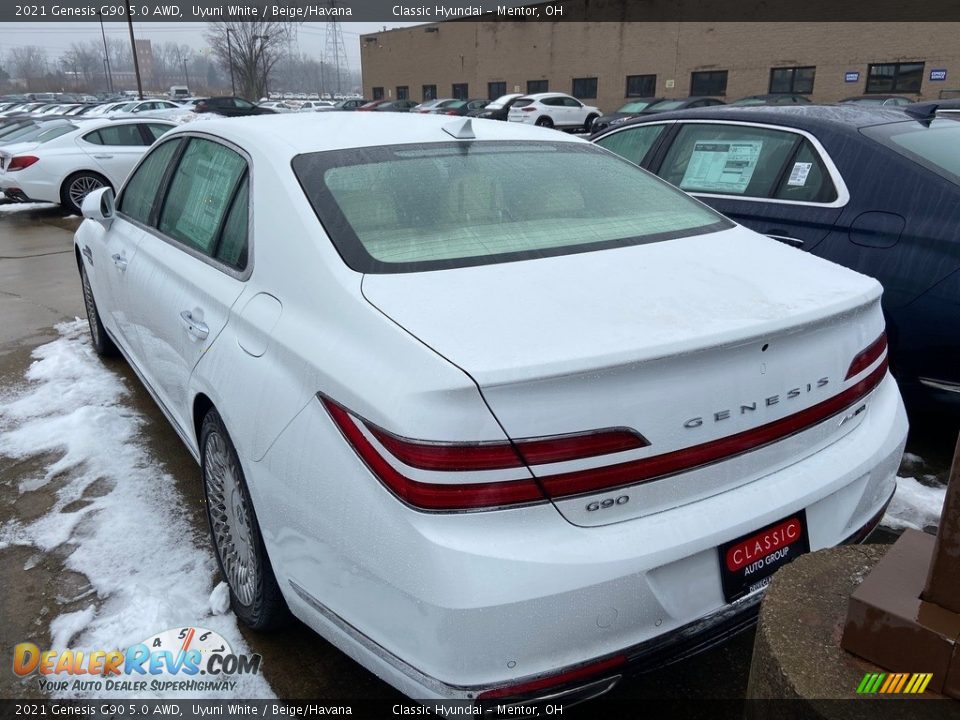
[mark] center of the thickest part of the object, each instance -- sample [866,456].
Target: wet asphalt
[39,287]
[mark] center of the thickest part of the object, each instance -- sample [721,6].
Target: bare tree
[252,48]
[29,62]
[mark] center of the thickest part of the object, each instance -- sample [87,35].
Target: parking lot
[102,527]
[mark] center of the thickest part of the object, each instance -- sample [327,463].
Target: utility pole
[133,47]
[233,87]
[106,56]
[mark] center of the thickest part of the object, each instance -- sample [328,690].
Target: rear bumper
[457,605]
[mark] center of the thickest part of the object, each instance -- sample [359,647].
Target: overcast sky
[57,36]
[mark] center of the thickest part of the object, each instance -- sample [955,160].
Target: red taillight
[433,496]
[459,457]
[527,109]
[451,457]
[867,357]
[532,687]
[21,161]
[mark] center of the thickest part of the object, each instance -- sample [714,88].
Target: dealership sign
[938,75]
[853,76]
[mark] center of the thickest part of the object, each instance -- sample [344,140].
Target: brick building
[607,63]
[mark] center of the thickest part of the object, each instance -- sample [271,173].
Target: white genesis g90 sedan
[491,409]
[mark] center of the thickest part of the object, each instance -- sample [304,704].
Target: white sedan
[491,409]
[552,109]
[64,164]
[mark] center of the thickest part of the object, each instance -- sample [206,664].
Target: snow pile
[914,505]
[150,569]
[15,207]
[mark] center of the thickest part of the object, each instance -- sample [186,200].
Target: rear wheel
[254,593]
[102,344]
[76,187]
[588,124]
[545,122]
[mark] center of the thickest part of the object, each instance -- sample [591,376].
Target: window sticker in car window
[725,167]
[798,176]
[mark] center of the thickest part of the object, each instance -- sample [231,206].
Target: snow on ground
[150,568]
[15,207]
[914,505]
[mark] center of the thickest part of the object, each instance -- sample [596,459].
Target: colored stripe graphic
[894,683]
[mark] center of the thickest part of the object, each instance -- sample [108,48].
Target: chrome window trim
[243,275]
[843,194]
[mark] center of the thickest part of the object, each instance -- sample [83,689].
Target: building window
[711,82]
[895,77]
[460,91]
[496,89]
[403,92]
[584,88]
[641,86]
[537,86]
[798,80]
[429,92]
[378,93]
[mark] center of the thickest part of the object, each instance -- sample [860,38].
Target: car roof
[539,96]
[286,135]
[811,117]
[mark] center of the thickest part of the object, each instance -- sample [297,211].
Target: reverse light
[868,356]
[21,161]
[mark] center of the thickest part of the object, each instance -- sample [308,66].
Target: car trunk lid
[723,351]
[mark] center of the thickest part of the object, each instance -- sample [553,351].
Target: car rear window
[935,146]
[522,102]
[408,208]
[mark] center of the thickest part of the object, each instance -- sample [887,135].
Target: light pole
[106,56]
[133,47]
[233,87]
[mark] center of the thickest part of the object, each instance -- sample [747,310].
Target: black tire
[545,122]
[588,124]
[102,344]
[254,593]
[76,187]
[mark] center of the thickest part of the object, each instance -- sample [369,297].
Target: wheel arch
[202,404]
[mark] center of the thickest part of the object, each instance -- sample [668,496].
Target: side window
[93,137]
[127,135]
[241,103]
[728,159]
[633,144]
[155,130]
[806,178]
[233,242]
[200,193]
[136,201]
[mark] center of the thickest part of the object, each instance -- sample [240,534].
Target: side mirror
[98,205]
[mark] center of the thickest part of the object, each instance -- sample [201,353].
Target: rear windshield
[633,107]
[667,105]
[522,102]
[935,146]
[407,208]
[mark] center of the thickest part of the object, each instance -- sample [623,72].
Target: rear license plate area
[749,562]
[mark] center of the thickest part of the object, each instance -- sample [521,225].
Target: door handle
[119,260]
[196,328]
[786,239]
[103,157]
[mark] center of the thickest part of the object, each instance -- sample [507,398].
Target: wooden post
[943,582]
